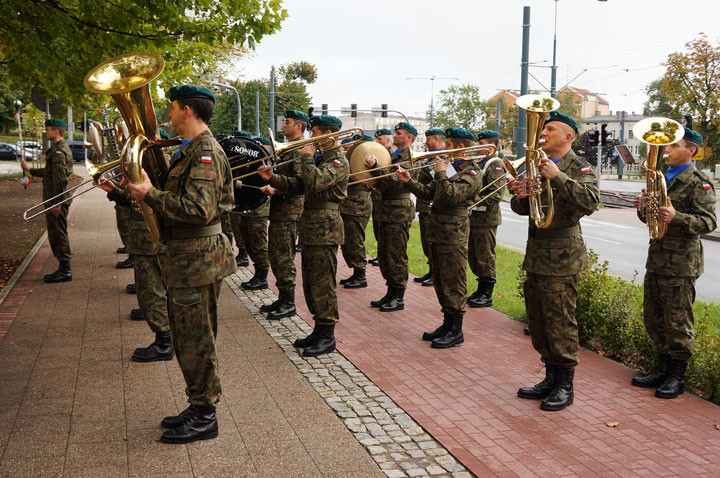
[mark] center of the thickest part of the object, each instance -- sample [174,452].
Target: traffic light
[592,137]
[310,111]
[353,110]
[324,108]
[605,134]
[383,112]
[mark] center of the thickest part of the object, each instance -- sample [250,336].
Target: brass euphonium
[657,133]
[126,78]
[537,108]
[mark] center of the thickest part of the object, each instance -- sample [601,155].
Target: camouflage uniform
[197,192]
[375,198]
[554,258]
[355,211]
[675,262]
[55,174]
[324,184]
[252,227]
[122,217]
[227,227]
[484,221]
[422,207]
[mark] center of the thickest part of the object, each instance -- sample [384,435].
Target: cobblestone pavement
[396,442]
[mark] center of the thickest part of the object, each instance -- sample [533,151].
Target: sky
[365,51]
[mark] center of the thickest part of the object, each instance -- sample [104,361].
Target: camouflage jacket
[422,206]
[198,191]
[57,171]
[140,240]
[358,202]
[487,214]
[324,183]
[283,206]
[262,210]
[395,204]
[449,217]
[680,252]
[560,250]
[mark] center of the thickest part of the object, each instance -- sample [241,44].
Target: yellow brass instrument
[657,133]
[357,155]
[537,108]
[126,78]
[511,168]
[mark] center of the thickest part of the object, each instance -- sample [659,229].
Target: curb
[21,268]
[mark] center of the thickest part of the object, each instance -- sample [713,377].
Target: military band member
[554,258]
[355,211]
[673,265]
[484,221]
[383,136]
[451,194]
[394,218]
[285,212]
[55,174]
[252,227]
[323,180]
[198,190]
[434,140]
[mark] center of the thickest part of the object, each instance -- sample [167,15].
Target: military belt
[680,235]
[358,192]
[450,211]
[392,197]
[194,232]
[321,205]
[554,233]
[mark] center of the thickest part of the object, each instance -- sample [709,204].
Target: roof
[612,118]
[585,94]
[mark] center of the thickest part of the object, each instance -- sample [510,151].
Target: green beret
[297,115]
[461,133]
[163,133]
[264,140]
[325,120]
[221,136]
[407,127]
[184,92]
[347,140]
[241,134]
[434,132]
[563,118]
[383,132]
[488,134]
[694,136]
[367,137]
[58,123]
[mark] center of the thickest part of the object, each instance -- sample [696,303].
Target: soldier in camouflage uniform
[451,194]
[554,258]
[122,218]
[384,137]
[251,226]
[285,212]
[435,140]
[198,190]
[395,215]
[674,263]
[484,221]
[55,174]
[323,180]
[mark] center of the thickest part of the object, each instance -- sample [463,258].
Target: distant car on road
[77,148]
[10,152]
[33,147]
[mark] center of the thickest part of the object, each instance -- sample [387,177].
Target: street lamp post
[432,91]
[237,96]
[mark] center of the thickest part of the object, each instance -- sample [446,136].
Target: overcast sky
[365,50]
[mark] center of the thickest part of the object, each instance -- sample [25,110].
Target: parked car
[10,152]
[33,147]
[77,148]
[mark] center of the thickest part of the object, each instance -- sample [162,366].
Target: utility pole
[553,74]
[237,97]
[622,141]
[257,113]
[432,91]
[272,99]
[520,134]
[497,116]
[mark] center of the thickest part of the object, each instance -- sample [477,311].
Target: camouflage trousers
[481,252]
[193,326]
[281,236]
[375,211]
[449,267]
[392,242]
[226,224]
[58,233]
[123,217]
[319,266]
[668,314]
[151,291]
[254,234]
[550,307]
[424,221]
[353,250]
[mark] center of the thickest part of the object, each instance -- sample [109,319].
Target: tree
[657,103]
[8,96]
[460,107]
[54,44]
[508,119]
[570,105]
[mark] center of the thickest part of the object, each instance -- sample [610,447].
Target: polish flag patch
[586,169]
[58,152]
[473,172]
[497,168]
[706,186]
[337,162]
[206,159]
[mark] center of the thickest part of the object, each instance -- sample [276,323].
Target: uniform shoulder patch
[472,171]
[498,168]
[585,169]
[706,186]
[206,159]
[337,162]
[58,152]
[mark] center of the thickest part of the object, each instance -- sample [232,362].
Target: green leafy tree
[570,105]
[657,103]
[508,119]
[460,106]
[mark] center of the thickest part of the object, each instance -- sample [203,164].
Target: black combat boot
[352,277]
[424,277]
[258,281]
[562,395]
[126,264]
[309,340]
[440,331]
[286,307]
[453,334]
[174,421]
[359,282]
[324,343]
[161,349]
[200,423]
[396,301]
[383,299]
[63,274]
[373,261]
[674,384]
[657,377]
[428,282]
[121,250]
[542,389]
[136,314]
[241,260]
[273,305]
[484,297]
[131,288]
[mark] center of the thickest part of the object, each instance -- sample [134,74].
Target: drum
[359,152]
[241,151]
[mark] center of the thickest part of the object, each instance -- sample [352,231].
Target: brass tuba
[657,133]
[126,78]
[537,108]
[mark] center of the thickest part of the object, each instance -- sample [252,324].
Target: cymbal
[360,152]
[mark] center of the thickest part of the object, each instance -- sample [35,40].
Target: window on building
[630,134]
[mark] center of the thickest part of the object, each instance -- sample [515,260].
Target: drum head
[357,155]
[241,151]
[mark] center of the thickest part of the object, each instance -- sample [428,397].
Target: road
[620,242]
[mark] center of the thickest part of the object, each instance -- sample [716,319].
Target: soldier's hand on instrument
[548,168]
[441,164]
[265,172]
[640,200]
[24,165]
[402,175]
[518,188]
[139,190]
[666,214]
[106,186]
[55,211]
[309,149]
[268,190]
[370,162]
